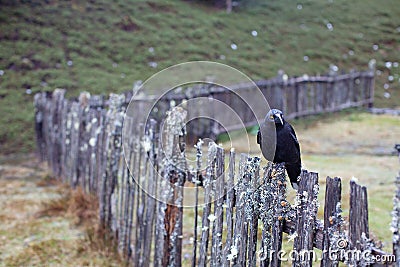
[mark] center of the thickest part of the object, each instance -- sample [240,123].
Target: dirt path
[29,240]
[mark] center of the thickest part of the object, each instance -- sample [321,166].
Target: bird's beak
[280,118]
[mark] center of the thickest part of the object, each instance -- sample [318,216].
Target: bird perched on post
[278,143]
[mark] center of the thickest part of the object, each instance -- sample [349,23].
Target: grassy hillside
[104,46]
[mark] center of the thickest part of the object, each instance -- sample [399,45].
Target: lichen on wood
[274,211]
[395,225]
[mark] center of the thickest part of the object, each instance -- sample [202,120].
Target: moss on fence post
[170,212]
[395,226]
[274,210]
[306,212]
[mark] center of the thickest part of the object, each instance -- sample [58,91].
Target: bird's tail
[293,171]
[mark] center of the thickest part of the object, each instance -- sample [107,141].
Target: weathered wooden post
[140,203]
[332,221]
[230,195]
[123,200]
[152,178]
[56,128]
[82,157]
[101,155]
[208,192]
[358,223]
[228,6]
[253,171]
[216,249]
[143,181]
[238,249]
[280,207]
[243,250]
[302,97]
[199,154]
[96,105]
[307,207]
[274,210]
[113,149]
[39,103]
[65,135]
[171,190]
[131,156]
[73,124]
[371,73]
[395,227]
[330,93]
[266,215]
[117,113]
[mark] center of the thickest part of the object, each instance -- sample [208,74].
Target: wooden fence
[395,227]
[296,97]
[238,211]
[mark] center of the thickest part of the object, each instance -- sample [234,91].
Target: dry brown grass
[45,223]
[55,207]
[82,208]
[48,180]
[73,203]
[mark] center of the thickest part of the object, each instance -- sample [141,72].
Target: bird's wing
[258,137]
[293,133]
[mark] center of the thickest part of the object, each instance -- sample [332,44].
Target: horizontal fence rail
[240,208]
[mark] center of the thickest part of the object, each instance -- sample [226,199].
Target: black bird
[287,148]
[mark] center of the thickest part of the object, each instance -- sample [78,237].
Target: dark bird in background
[287,147]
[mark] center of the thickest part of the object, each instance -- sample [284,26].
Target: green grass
[108,44]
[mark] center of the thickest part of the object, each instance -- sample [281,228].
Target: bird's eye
[271,117]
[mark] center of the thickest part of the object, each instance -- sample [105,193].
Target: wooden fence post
[371,93]
[208,192]
[94,130]
[307,207]
[274,211]
[124,192]
[230,194]
[266,215]
[199,154]
[216,249]
[140,203]
[131,152]
[112,150]
[74,144]
[238,249]
[151,207]
[39,102]
[117,115]
[280,208]
[56,128]
[332,221]
[395,227]
[172,192]
[228,6]
[358,222]
[253,169]
[65,135]
[243,251]
[82,157]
